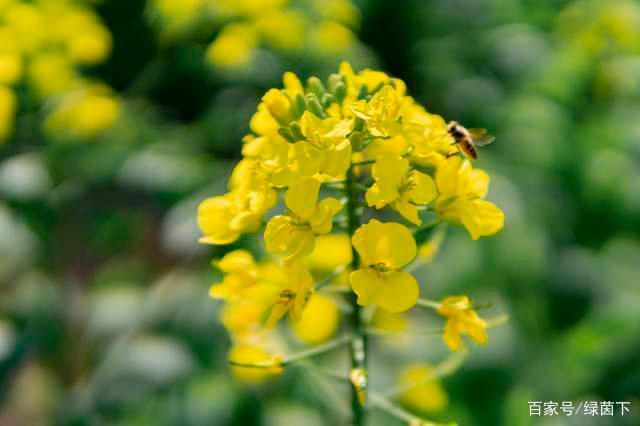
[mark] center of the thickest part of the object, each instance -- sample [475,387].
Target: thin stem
[358,348]
[426,303]
[400,413]
[443,369]
[317,350]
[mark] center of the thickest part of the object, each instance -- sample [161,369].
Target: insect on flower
[468,140]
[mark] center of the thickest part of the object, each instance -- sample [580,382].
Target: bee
[468,140]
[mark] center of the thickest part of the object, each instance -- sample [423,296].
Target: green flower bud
[327,100]
[314,105]
[339,91]
[357,141]
[296,131]
[315,86]
[286,133]
[298,105]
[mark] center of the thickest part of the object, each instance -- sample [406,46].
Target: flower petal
[399,292]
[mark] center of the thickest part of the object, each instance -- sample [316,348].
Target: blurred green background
[104,314]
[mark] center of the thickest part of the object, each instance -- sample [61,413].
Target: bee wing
[477,133]
[484,140]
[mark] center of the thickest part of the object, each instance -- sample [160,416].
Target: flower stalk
[358,346]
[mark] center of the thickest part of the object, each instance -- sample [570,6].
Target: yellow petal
[214,216]
[408,211]
[491,217]
[292,83]
[379,195]
[390,244]
[423,190]
[452,335]
[282,237]
[391,170]
[399,292]
[236,260]
[302,196]
[319,320]
[321,220]
[367,284]
[308,159]
[337,160]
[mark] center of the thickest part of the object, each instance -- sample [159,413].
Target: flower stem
[358,347]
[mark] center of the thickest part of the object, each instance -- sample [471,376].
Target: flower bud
[340,91]
[327,100]
[296,131]
[315,86]
[313,105]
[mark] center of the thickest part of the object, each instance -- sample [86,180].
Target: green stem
[358,347]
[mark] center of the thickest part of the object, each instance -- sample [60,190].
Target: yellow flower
[282,29]
[293,294]
[427,133]
[293,235]
[279,106]
[319,320]
[387,321]
[224,218]
[234,47]
[331,251]
[52,74]
[240,272]
[461,318]
[252,355]
[10,68]
[424,393]
[381,112]
[461,200]
[384,248]
[7,112]
[399,186]
[84,113]
[332,37]
[326,148]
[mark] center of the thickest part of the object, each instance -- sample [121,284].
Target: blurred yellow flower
[293,235]
[331,251]
[319,320]
[332,38]
[10,68]
[384,248]
[240,272]
[461,318]
[293,293]
[423,392]
[224,218]
[7,112]
[84,113]
[234,47]
[396,184]
[42,69]
[461,198]
[252,355]
[282,29]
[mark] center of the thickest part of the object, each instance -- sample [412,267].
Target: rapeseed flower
[399,186]
[461,319]
[293,235]
[462,190]
[384,248]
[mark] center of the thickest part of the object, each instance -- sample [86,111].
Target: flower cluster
[322,26]
[352,147]
[43,44]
